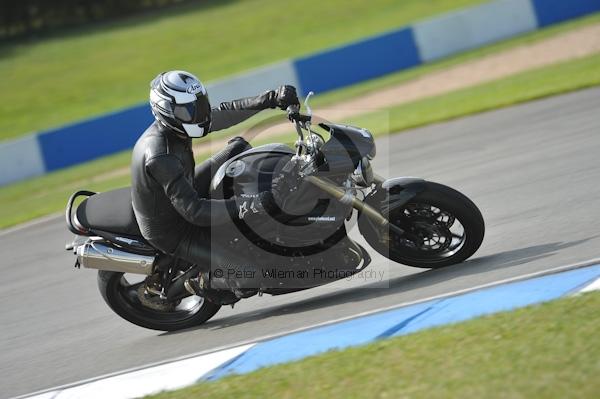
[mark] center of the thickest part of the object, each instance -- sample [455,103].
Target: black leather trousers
[196,246]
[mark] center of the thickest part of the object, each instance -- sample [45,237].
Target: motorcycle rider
[169,193]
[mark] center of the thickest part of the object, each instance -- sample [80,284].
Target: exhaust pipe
[96,255]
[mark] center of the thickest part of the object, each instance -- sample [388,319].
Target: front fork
[377,179]
[347,197]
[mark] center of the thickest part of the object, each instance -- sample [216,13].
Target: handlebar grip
[293,109]
[298,117]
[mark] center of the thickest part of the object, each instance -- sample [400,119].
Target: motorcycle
[408,220]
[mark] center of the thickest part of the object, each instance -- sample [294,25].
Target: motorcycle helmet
[179,101]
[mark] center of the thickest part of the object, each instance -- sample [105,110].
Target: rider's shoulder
[156,142]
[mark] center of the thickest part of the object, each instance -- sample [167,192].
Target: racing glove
[285,96]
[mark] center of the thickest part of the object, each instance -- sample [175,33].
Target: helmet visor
[196,112]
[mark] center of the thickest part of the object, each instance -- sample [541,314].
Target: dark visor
[195,112]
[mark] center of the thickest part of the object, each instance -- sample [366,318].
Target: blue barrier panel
[549,12]
[356,62]
[93,138]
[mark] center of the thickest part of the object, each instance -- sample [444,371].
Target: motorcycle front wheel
[122,293]
[443,228]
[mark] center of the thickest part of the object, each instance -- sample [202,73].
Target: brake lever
[308,109]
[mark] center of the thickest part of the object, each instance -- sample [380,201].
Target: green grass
[37,197]
[91,71]
[544,351]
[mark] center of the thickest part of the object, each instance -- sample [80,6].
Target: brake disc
[154,302]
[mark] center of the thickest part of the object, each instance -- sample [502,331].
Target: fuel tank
[316,218]
[250,172]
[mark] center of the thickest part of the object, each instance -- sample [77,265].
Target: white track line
[527,276]
[593,286]
[147,381]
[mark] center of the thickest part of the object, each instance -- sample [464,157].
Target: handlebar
[294,114]
[293,109]
[300,121]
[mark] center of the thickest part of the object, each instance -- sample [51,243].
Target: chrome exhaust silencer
[97,255]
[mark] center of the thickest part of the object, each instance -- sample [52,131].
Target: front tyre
[121,293]
[443,228]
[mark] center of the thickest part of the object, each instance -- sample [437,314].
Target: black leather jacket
[165,201]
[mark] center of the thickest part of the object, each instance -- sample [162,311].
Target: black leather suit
[170,194]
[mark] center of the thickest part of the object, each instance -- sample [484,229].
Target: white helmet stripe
[180,97]
[162,102]
[193,130]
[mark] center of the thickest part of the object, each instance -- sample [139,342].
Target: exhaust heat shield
[97,255]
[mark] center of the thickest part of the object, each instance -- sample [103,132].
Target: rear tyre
[122,297]
[448,226]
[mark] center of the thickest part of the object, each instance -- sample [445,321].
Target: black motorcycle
[303,244]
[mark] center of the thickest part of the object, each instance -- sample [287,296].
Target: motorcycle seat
[110,211]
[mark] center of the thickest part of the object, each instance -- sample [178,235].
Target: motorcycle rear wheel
[122,297]
[449,226]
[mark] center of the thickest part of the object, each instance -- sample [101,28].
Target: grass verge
[26,200]
[544,351]
[105,67]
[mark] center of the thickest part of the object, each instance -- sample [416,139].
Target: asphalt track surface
[533,170]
